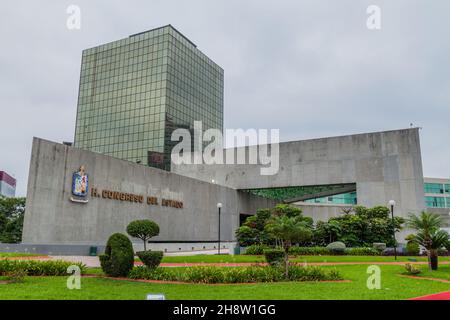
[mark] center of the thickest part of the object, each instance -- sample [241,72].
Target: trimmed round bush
[274,257]
[118,259]
[143,229]
[337,247]
[151,259]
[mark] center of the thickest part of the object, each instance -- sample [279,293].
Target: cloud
[309,68]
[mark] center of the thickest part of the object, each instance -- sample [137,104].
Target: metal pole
[393,232]
[219,231]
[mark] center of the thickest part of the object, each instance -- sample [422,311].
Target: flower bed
[37,268]
[252,274]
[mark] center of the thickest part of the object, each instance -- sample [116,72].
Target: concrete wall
[384,166]
[51,218]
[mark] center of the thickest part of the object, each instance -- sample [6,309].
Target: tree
[428,235]
[289,230]
[327,232]
[143,229]
[12,211]
[252,230]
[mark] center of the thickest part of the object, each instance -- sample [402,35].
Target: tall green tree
[429,235]
[12,211]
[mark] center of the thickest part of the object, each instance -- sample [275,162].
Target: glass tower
[134,92]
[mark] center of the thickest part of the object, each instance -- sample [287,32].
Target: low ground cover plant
[412,270]
[254,274]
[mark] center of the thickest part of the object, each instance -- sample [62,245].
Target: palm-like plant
[428,235]
[289,230]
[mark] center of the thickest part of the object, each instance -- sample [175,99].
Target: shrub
[151,259]
[412,248]
[256,249]
[37,268]
[143,229]
[118,259]
[16,276]
[362,251]
[337,247]
[410,269]
[274,257]
[235,275]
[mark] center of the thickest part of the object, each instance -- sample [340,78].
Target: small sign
[156,296]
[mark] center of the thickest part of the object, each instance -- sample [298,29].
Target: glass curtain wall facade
[134,92]
[437,195]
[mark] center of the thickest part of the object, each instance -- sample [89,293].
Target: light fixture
[392,203]
[219,205]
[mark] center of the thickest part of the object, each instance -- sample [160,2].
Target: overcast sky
[310,68]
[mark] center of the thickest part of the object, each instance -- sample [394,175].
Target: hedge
[38,268]
[210,275]
[256,249]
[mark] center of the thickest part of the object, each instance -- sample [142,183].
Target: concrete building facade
[382,166]
[78,197]
[118,192]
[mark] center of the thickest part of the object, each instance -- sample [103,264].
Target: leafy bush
[143,229]
[256,249]
[337,247]
[37,268]
[412,248]
[274,257]
[16,276]
[359,229]
[363,251]
[410,269]
[118,259]
[151,259]
[235,274]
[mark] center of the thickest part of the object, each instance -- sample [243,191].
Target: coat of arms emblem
[80,183]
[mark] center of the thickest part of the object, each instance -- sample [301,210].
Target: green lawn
[245,258]
[443,272]
[393,287]
[18,254]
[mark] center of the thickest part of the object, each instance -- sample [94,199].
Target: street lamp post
[219,206]
[392,205]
